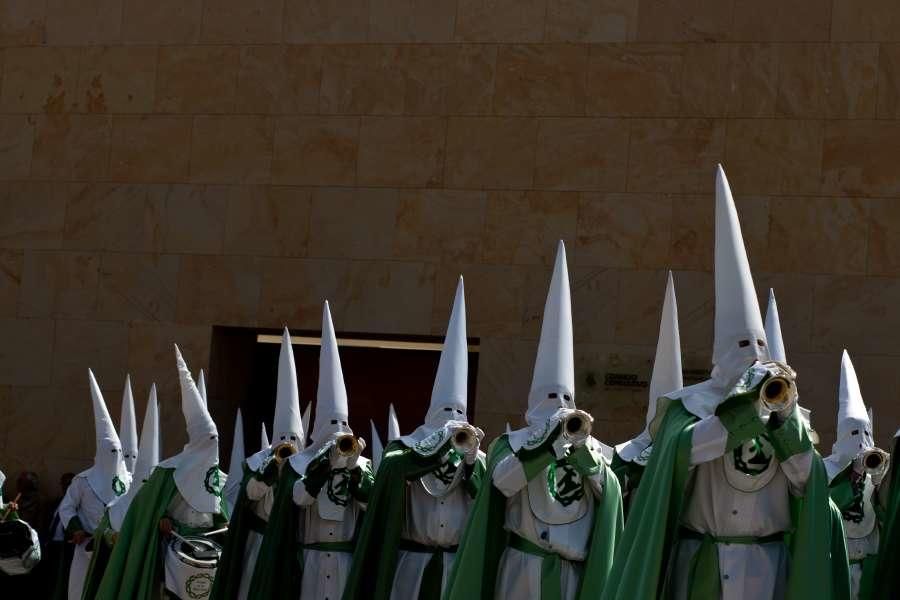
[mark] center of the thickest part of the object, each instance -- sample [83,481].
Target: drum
[191,564]
[20,549]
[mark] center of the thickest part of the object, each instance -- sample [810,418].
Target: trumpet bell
[347,445]
[875,461]
[577,424]
[283,451]
[464,439]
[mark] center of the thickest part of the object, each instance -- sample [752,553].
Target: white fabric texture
[854,429]
[108,476]
[82,501]
[128,434]
[148,458]
[235,464]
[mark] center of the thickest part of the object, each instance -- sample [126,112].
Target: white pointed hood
[197,475]
[332,413]
[553,380]
[108,477]
[288,426]
[450,391]
[740,337]
[773,331]
[854,429]
[128,427]
[393,431]
[235,465]
[148,458]
[307,412]
[264,443]
[201,387]
[666,376]
[377,447]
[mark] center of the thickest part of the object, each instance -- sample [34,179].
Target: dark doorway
[378,371]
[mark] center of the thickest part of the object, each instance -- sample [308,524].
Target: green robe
[816,545]
[103,546]
[279,568]
[135,567]
[844,497]
[886,582]
[475,569]
[378,546]
[231,564]
[629,475]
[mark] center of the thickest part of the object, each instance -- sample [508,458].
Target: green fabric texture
[279,567]
[474,573]
[99,559]
[789,438]
[629,475]
[551,567]
[816,543]
[379,543]
[135,566]
[740,417]
[231,564]
[886,580]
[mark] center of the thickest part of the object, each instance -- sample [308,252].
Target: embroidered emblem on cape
[118,486]
[338,487]
[644,457]
[537,436]
[431,443]
[213,481]
[754,456]
[859,517]
[198,586]
[564,483]
[446,472]
[856,511]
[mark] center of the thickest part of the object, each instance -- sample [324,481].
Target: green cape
[816,544]
[279,567]
[629,475]
[231,564]
[887,570]
[474,573]
[99,558]
[377,548]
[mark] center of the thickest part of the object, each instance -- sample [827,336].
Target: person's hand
[165,526]
[79,537]
[472,453]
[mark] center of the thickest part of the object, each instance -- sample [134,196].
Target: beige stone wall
[168,165]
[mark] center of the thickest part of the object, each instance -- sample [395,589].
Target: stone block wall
[170,165]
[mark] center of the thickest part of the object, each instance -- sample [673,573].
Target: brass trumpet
[348,445]
[577,424]
[780,390]
[464,438]
[875,461]
[283,451]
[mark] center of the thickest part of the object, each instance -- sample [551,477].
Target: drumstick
[195,548]
[9,507]
[216,532]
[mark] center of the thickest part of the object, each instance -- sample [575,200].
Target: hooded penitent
[553,380]
[666,376]
[449,394]
[128,427]
[773,331]
[235,465]
[332,413]
[148,458]
[739,334]
[197,466]
[109,477]
[393,424]
[854,429]
[288,424]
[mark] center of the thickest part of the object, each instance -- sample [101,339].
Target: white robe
[432,519]
[261,498]
[324,572]
[564,531]
[81,501]
[717,507]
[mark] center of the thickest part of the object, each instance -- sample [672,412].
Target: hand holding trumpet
[574,430]
[874,462]
[345,451]
[466,439]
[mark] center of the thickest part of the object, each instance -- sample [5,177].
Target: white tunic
[435,518]
[261,498]
[325,572]
[563,530]
[725,501]
[862,534]
[81,501]
[184,513]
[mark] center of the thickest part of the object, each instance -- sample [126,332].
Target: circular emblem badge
[198,586]
[430,443]
[118,486]
[213,481]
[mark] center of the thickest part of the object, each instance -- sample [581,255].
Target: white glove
[472,454]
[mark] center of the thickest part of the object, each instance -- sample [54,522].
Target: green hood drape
[377,548]
[816,543]
[231,564]
[886,582]
[279,568]
[474,573]
[134,569]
